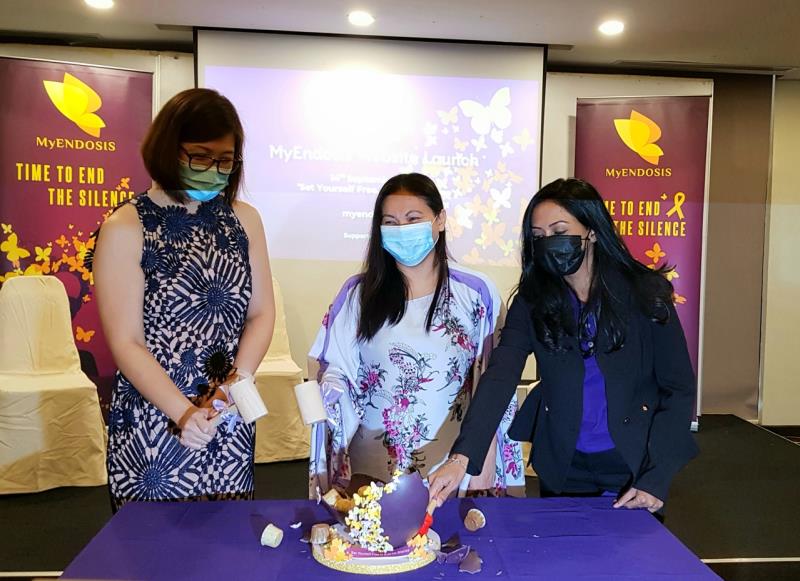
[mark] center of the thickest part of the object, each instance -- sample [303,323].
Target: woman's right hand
[197,430]
[445,480]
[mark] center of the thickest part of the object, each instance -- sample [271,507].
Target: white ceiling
[729,33]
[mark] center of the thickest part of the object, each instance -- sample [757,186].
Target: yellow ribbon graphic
[678,201]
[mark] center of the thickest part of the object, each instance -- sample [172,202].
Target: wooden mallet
[426,524]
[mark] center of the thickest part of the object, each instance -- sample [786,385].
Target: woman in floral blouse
[400,351]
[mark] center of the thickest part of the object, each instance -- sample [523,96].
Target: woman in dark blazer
[613,410]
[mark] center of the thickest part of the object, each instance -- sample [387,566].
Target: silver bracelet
[459,461]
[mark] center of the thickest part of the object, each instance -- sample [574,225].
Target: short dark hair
[194,115]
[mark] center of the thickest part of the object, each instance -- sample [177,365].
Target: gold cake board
[372,565]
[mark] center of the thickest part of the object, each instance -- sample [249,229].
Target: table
[526,539]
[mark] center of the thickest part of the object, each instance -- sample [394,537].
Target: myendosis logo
[640,134]
[79,103]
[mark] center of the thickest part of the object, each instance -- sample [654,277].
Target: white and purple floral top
[405,392]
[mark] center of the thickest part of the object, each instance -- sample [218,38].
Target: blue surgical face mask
[409,244]
[202,185]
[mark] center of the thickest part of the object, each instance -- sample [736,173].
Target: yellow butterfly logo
[78,102]
[6,228]
[13,252]
[83,335]
[640,134]
[43,254]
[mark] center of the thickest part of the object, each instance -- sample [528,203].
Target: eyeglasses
[201,162]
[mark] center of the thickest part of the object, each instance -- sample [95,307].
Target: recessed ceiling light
[360,18]
[611,27]
[100,4]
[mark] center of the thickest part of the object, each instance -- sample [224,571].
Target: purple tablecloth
[532,539]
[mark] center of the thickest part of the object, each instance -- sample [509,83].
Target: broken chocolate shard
[452,543]
[471,564]
[453,555]
[457,556]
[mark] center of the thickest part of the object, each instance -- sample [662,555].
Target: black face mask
[560,254]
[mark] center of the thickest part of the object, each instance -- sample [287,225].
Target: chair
[51,427]
[281,434]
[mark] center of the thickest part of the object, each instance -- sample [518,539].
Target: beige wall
[740,147]
[781,362]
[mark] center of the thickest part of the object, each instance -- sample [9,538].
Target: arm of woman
[335,352]
[671,444]
[119,288]
[257,334]
[494,392]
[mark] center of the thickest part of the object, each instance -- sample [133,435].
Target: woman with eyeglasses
[400,351]
[613,410]
[184,290]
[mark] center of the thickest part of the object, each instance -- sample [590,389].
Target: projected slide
[319,145]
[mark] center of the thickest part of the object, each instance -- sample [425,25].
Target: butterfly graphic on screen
[494,116]
[501,198]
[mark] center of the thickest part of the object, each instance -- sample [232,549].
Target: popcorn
[364,518]
[336,550]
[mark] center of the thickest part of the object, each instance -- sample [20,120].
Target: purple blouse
[593,436]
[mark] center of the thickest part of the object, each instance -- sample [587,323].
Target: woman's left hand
[635,498]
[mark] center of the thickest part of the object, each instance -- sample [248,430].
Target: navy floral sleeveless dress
[198,286]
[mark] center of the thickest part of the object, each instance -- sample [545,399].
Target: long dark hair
[551,307]
[384,289]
